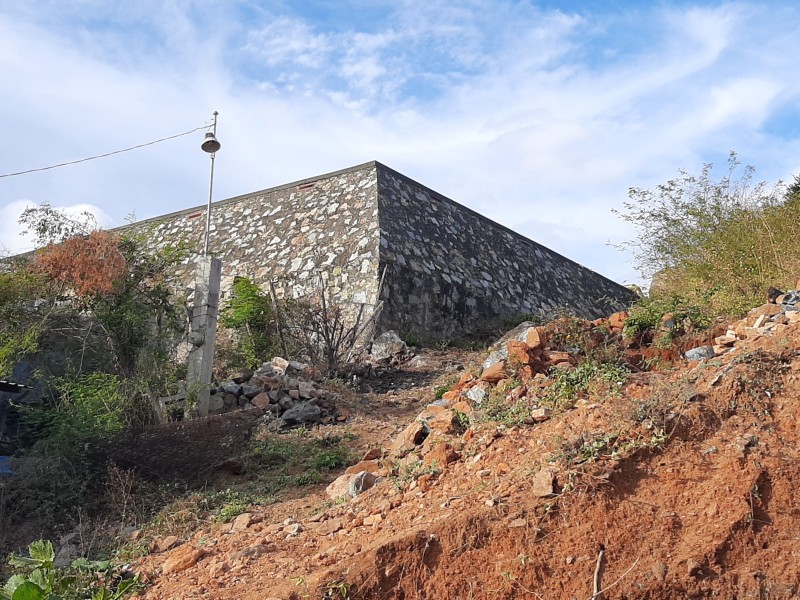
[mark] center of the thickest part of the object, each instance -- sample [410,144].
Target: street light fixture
[211,145]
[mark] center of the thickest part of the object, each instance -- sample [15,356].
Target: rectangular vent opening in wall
[306,186]
[196,215]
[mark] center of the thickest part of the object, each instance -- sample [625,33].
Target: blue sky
[539,115]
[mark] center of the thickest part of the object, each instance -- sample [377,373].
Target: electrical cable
[73,162]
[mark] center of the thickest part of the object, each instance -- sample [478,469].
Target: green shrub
[717,244]
[647,313]
[63,464]
[588,377]
[22,318]
[250,313]
[36,578]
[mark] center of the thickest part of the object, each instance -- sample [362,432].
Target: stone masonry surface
[450,267]
[447,267]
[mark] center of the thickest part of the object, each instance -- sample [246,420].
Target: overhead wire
[74,162]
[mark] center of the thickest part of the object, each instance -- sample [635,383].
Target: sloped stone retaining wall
[447,267]
[450,268]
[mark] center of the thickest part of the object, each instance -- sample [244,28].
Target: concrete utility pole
[206,307]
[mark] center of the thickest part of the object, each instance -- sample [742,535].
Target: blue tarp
[5,466]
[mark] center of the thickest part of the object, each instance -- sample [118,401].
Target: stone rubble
[288,391]
[525,354]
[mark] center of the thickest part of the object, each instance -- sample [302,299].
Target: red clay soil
[709,509]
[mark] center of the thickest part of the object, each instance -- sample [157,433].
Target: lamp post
[210,145]
[205,309]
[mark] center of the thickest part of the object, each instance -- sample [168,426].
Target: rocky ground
[675,482]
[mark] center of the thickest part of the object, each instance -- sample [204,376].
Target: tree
[100,289]
[720,242]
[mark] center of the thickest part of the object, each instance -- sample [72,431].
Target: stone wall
[326,225]
[447,267]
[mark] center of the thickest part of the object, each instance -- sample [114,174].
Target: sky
[538,114]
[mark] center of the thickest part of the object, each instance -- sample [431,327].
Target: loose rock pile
[780,310]
[524,355]
[288,392]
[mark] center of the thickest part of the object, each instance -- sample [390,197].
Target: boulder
[279,365]
[518,333]
[261,400]
[181,559]
[494,373]
[215,403]
[542,483]
[229,387]
[443,421]
[477,395]
[302,413]
[339,487]
[361,482]
[534,337]
[242,376]
[388,347]
[295,366]
[440,456]
[251,391]
[700,353]
[242,522]
[409,438]
[617,320]
[518,353]
[495,357]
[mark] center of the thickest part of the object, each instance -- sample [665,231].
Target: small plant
[250,313]
[440,390]
[507,412]
[589,377]
[37,578]
[462,419]
[337,590]
[230,511]
[646,314]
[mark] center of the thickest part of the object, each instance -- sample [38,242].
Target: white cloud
[744,101]
[288,40]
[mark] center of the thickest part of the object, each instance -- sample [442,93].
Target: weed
[462,419]
[413,471]
[762,379]
[589,377]
[230,511]
[37,578]
[440,390]
[508,412]
[588,448]
[336,590]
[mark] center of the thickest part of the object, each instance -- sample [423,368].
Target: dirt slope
[686,479]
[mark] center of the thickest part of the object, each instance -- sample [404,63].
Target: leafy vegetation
[589,377]
[715,244]
[647,313]
[501,410]
[250,313]
[37,578]
[91,313]
[295,460]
